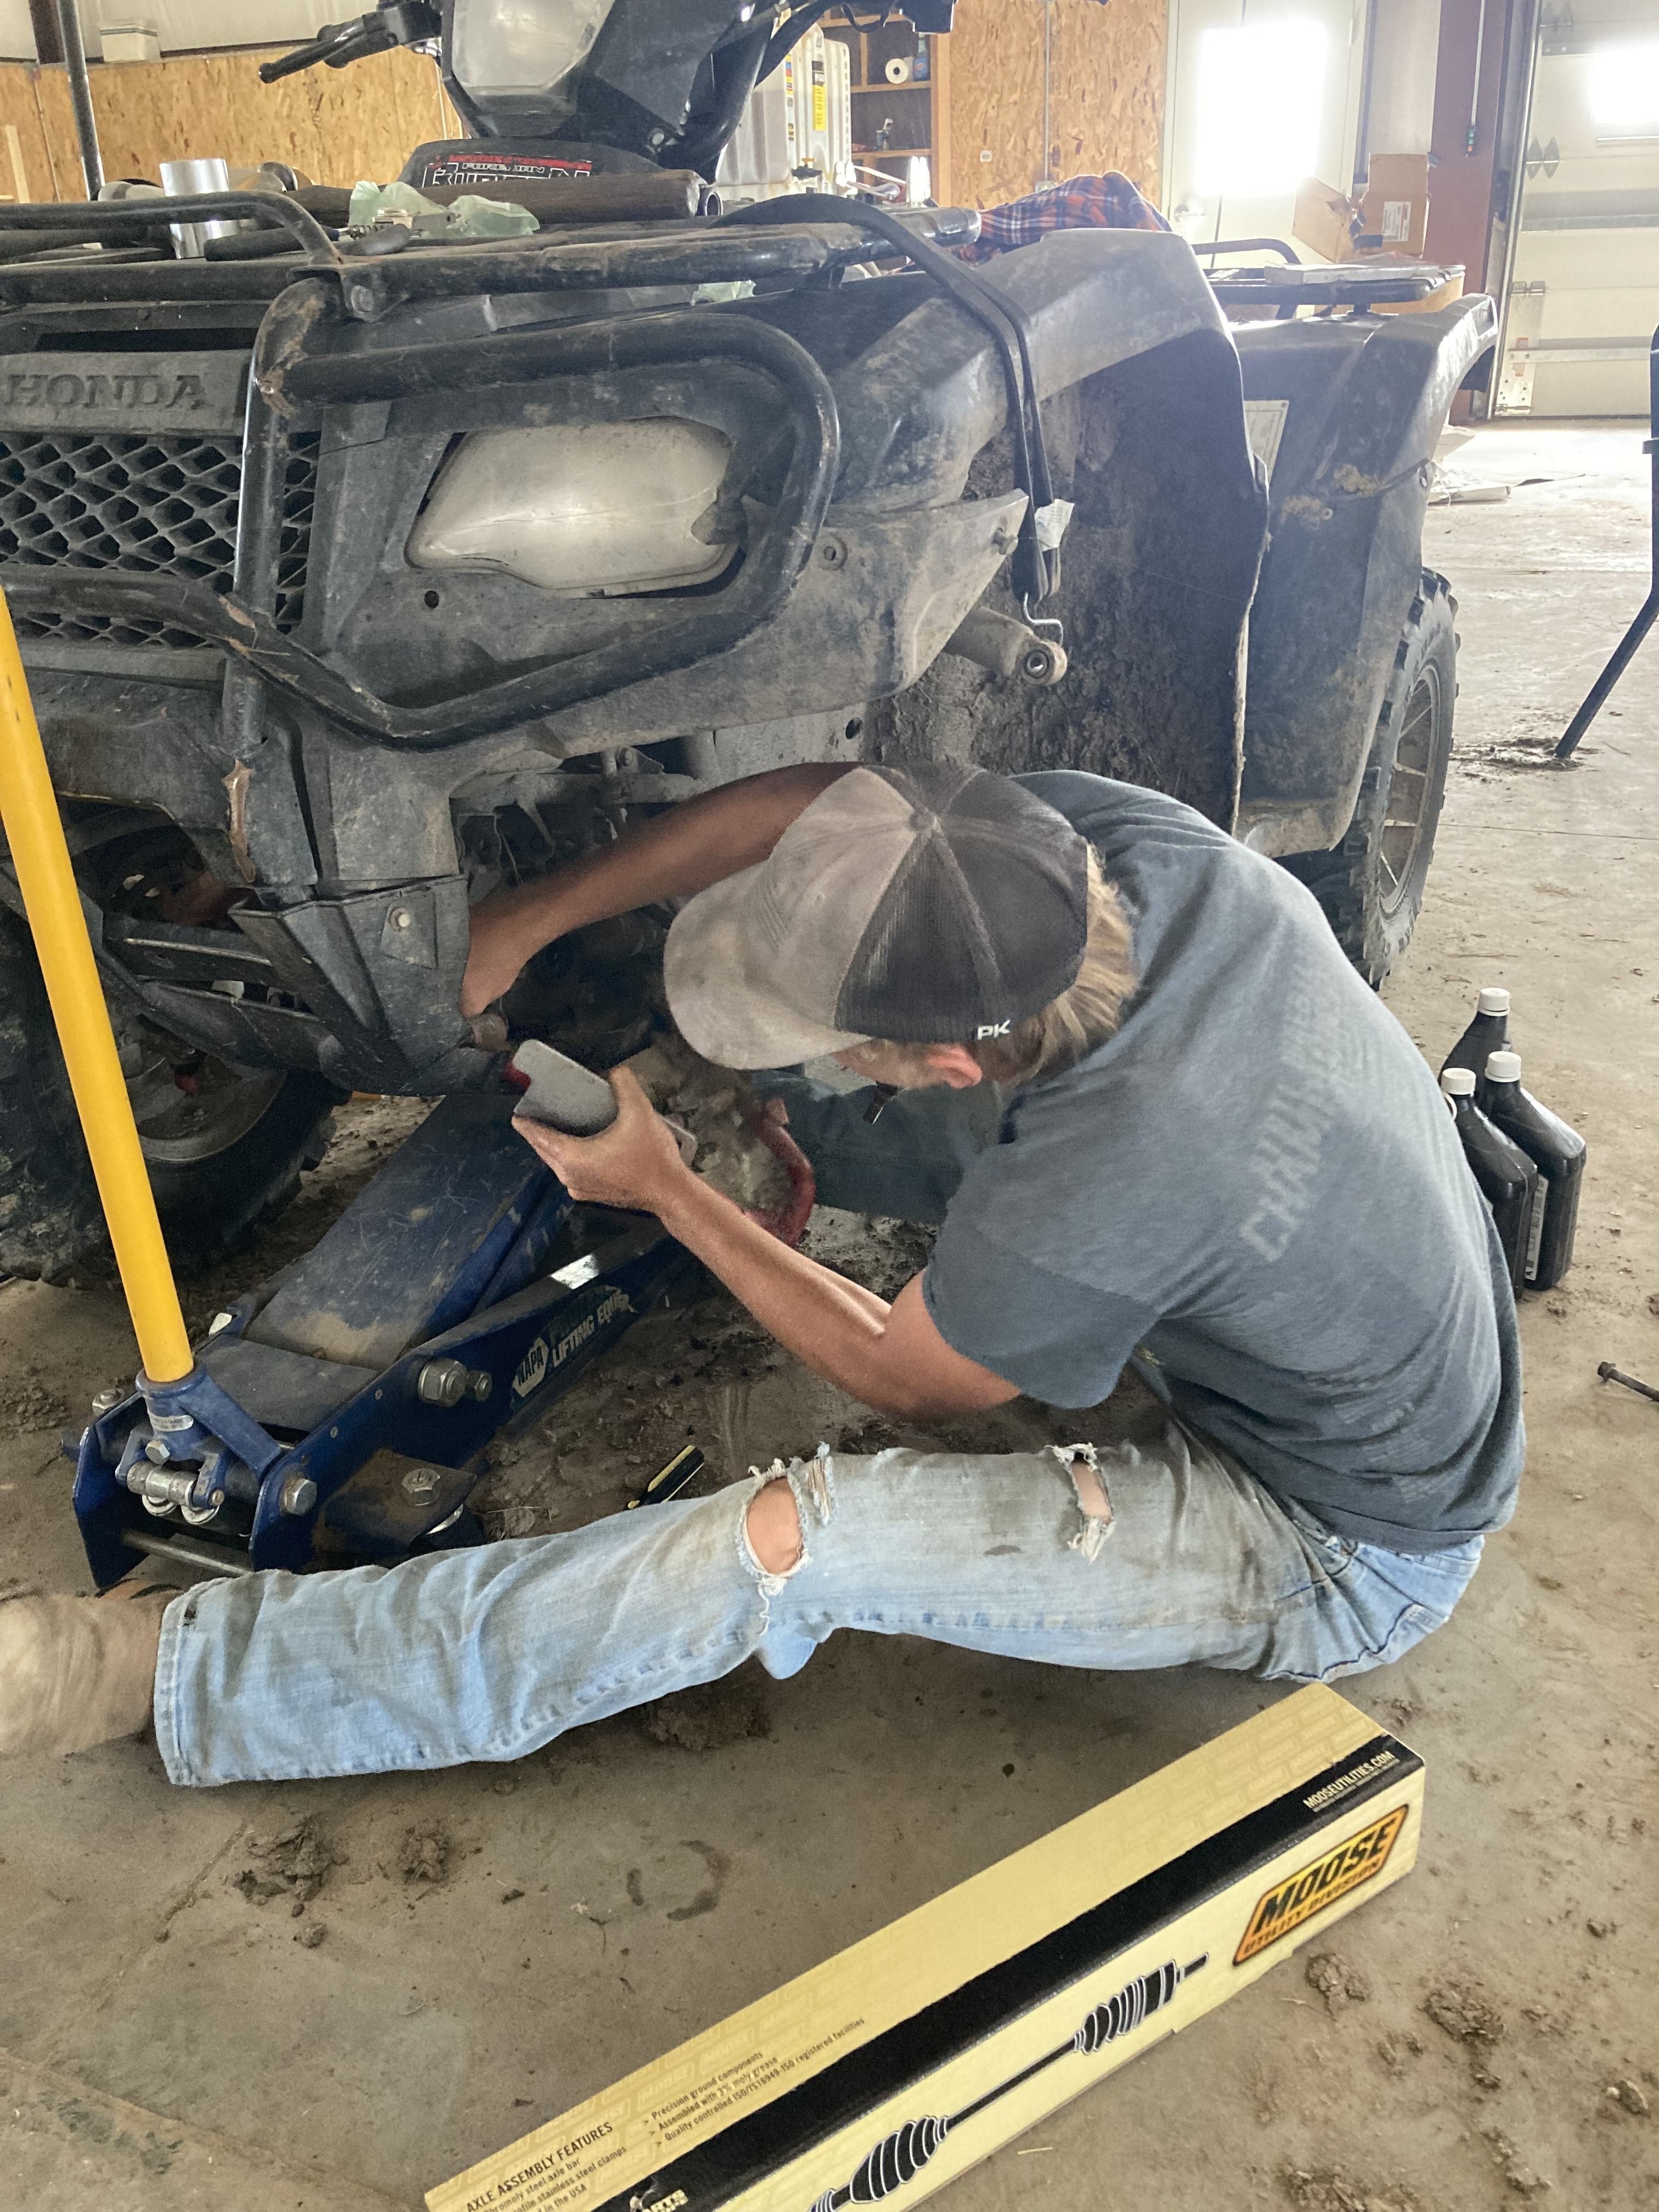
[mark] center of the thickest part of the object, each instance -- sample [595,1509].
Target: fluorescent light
[1260,90]
[1624,87]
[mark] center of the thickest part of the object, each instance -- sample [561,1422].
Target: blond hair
[1084,1016]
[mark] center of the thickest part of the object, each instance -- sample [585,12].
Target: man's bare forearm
[680,853]
[893,1356]
[833,1326]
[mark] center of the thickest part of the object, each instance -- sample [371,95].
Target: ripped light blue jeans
[1155,1555]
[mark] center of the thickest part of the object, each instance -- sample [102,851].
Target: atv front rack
[299,363]
[370,283]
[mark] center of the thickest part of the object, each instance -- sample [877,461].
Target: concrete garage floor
[419,1969]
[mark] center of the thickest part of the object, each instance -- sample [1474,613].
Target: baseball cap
[933,904]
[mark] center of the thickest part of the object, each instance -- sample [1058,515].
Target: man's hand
[635,1163]
[891,1357]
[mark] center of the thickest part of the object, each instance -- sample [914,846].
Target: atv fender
[1358,405]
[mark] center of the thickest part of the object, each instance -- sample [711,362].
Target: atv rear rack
[1358,286]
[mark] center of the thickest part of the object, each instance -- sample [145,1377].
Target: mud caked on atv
[354,583]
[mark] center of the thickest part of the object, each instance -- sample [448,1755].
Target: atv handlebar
[393,23]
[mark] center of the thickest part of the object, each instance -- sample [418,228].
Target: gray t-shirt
[1255,1181]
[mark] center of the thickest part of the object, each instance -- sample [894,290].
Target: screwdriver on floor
[669,1481]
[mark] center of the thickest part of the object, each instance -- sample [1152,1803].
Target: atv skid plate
[341,1414]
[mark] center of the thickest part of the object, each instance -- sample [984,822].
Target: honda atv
[360,572]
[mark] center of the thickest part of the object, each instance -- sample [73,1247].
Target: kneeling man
[1163,1123]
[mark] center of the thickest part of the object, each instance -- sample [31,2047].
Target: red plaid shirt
[1108,203]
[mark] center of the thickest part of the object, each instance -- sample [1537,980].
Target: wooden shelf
[870,52]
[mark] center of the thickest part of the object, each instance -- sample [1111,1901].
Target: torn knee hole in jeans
[784,1501]
[1094,1505]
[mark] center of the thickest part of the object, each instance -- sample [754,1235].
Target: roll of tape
[898,69]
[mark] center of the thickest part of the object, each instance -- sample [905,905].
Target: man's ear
[954,1066]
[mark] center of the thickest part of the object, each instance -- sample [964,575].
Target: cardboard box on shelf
[1323,220]
[1395,207]
[1390,222]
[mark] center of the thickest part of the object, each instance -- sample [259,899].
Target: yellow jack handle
[34,831]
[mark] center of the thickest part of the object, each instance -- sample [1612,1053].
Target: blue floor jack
[340,1415]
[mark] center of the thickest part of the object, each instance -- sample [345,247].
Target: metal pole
[75,68]
[1361,145]
[43,21]
[1625,651]
[1048,72]
[1474,92]
[218,1559]
[51,899]
[1516,212]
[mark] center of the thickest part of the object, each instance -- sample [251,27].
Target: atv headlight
[587,507]
[500,48]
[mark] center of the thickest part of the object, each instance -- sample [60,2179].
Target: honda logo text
[64,392]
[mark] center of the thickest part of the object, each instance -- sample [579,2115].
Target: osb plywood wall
[1106,93]
[1106,107]
[336,124]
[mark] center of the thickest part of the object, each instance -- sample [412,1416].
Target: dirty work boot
[77,1671]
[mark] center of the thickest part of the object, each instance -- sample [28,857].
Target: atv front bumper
[315,718]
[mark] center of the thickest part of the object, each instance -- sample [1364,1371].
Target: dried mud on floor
[336,1994]
[1449,2052]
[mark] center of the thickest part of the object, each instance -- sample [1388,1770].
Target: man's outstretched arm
[892,1358]
[681,852]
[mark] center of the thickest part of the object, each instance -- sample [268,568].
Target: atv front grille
[147,502]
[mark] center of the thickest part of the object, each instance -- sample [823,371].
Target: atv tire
[236,1164]
[1371,884]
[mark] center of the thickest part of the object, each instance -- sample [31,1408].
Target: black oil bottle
[1489,1032]
[1556,1151]
[1507,1181]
